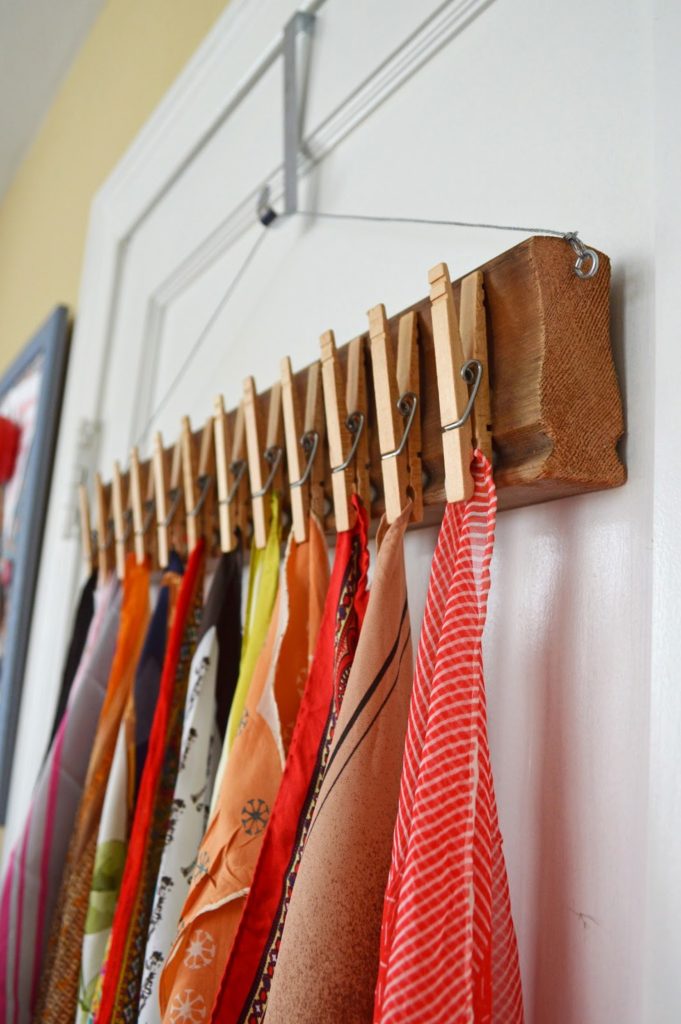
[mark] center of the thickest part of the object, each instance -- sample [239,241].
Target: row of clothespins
[228,485]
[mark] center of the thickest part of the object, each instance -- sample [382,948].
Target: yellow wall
[130,58]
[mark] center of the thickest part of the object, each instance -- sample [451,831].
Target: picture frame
[31,393]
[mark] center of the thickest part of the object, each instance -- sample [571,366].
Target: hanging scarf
[263,580]
[121,789]
[448,948]
[124,962]
[231,845]
[36,863]
[81,627]
[212,680]
[328,959]
[59,984]
[247,978]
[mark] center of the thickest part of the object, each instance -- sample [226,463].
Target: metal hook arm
[238,468]
[273,456]
[355,424]
[205,481]
[175,495]
[407,405]
[470,367]
[150,507]
[127,515]
[309,442]
[108,539]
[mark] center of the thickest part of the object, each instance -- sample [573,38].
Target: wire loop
[584,255]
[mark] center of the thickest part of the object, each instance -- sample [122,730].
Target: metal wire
[586,266]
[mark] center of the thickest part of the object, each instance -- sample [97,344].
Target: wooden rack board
[556,405]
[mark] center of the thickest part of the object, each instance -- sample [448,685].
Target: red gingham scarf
[448,948]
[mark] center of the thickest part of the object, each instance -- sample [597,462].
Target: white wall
[662,987]
[528,113]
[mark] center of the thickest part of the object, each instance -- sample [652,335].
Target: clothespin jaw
[397,412]
[228,491]
[103,529]
[473,328]
[136,504]
[264,464]
[85,528]
[118,505]
[452,389]
[346,431]
[304,441]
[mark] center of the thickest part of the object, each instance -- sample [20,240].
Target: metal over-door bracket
[294,102]
[295,91]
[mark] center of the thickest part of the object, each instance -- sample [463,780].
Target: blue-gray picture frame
[50,344]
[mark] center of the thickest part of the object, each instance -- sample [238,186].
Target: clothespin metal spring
[471,371]
[204,481]
[237,469]
[273,455]
[355,425]
[407,405]
[309,442]
[175,496]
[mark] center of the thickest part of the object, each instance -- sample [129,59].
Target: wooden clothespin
[103,529]
[137,506]
[198,481]
[222,450]
[86,528]
[150,538]
[189,475]
[396,387]
[263,465]
[165,510]
[117,506]
[304,440]
[473,328]
[176,512]
[239,469]
[229,459]
[452,389]
[348,443]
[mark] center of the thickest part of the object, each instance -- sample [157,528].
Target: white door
[530,112]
